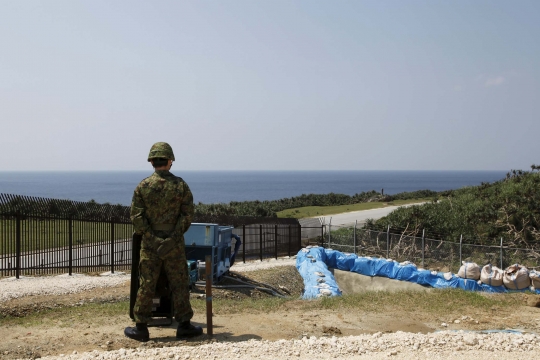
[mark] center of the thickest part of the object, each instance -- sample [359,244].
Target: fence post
[423,245]
[209,279]
[329,229]
[260,242]
[299,237]
[290,241]
[112,246]
[460,246]
[322,235]
[275,240]
[17,246]
[388,242]
[502,253]
[244,243]
[70,232]
[354,236]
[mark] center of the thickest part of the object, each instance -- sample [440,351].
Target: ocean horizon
[208,186]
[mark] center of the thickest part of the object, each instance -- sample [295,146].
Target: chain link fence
[426,253]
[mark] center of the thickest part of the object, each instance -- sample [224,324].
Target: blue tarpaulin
[313,263]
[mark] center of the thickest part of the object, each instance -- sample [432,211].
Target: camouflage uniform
[161,211]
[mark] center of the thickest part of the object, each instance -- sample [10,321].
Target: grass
[314,211]
[229,306]
[49,234]
[435,302]
[65,316]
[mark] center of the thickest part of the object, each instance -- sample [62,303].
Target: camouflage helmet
[161,150]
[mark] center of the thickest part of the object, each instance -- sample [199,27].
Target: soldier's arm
[187,210]
[137,215]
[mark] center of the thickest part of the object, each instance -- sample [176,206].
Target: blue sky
[270,85]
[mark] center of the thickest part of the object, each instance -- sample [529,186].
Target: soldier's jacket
[162,198]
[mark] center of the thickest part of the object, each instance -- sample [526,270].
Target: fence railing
[46,236]
[427,253]
[30,245]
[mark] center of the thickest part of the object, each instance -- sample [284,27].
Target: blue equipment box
[203,239]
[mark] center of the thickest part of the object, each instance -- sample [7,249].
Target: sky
[270,85]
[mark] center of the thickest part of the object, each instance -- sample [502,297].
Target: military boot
[139,332]
[186,330]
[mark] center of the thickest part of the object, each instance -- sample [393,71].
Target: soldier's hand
[165,247]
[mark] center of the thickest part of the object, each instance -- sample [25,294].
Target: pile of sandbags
[515,277]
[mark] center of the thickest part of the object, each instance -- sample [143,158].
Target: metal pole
[112,246]
[423,245]
[354,235]
[70,232]
[260,242]
[275,240]
[322,235]
[290,240]
[244,243]
[388,242]
[460,246]
[501,253]
[208,265]
[299,235]
[17,246]
[329,229]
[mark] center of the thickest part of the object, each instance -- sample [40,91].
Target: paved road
[347,219]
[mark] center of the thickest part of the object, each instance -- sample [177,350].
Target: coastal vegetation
[314,211]
[508,209]
[271,208]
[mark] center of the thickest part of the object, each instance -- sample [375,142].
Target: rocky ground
[86,321]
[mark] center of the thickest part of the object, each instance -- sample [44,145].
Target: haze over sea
[116,187]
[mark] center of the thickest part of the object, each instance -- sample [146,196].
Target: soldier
[161,211]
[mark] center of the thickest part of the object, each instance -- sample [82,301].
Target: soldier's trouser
[175,266]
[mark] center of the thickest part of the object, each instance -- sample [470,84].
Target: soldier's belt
[163,227]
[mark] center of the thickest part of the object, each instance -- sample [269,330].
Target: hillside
[508,208]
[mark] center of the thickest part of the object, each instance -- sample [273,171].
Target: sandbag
[491,275]
[516,277]
[469,270]
[535,278]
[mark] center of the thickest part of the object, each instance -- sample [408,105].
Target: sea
[116,187]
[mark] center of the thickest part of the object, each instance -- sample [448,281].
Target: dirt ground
[41,333]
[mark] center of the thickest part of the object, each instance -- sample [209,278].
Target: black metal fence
[46,236]
[275,239]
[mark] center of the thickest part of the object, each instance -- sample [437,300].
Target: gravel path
[265,264]
[442,345]
[12,288]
